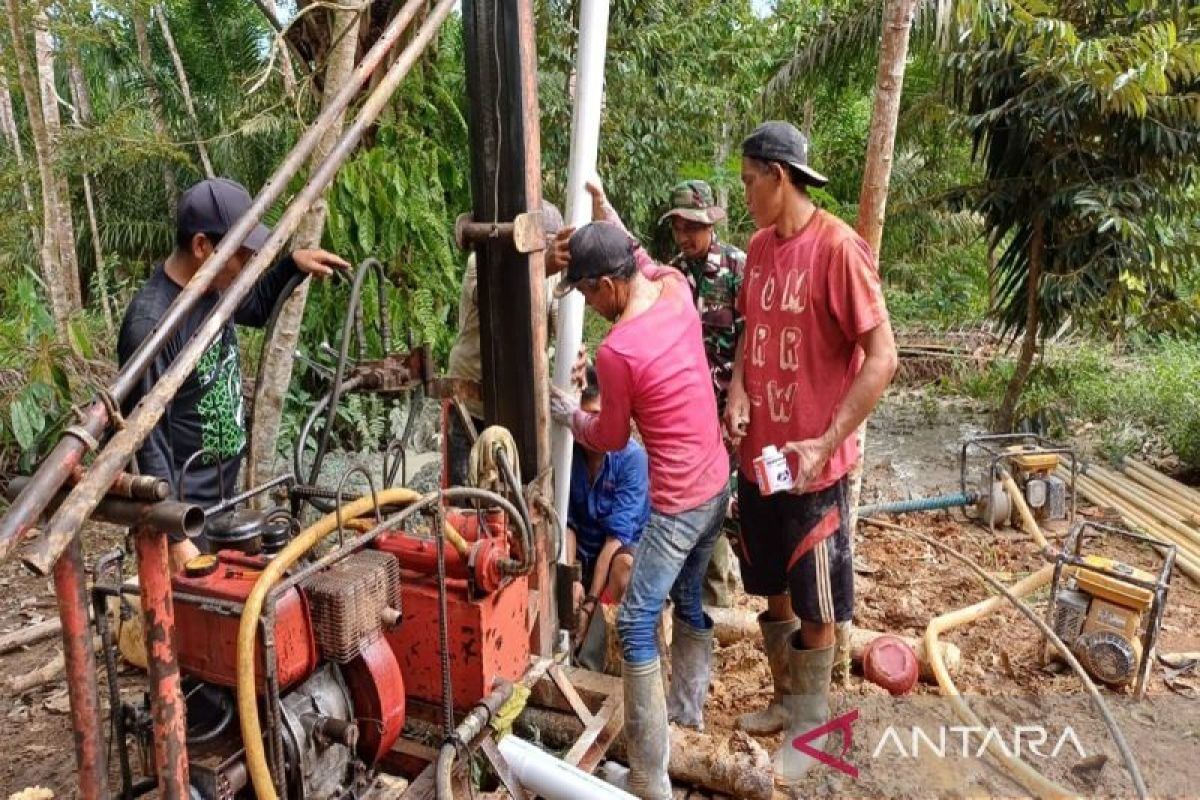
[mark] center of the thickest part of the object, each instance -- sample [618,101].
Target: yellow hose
[1018,501]
[449,531]
[256,756]
[1026,775]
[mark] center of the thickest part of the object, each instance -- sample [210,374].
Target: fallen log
[29,635]
[735,624]
[734,765]
[51,670]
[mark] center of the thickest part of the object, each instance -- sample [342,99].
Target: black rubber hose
[353,317]
[268,335]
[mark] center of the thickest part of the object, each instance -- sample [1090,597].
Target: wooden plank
[409,747]
[500,765]
[593,743]
[568,691]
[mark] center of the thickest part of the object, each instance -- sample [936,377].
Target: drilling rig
[362,654]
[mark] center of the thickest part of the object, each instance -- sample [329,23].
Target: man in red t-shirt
[815,356]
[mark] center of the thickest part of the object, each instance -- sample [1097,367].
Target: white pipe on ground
[549,777]
[585,140]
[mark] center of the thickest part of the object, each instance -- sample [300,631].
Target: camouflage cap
[694,200]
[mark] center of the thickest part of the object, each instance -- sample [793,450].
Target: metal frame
[992,445]
[1071,555]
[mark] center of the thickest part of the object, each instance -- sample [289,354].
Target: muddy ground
[901,584]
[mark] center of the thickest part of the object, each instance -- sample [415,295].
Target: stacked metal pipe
[1152,502]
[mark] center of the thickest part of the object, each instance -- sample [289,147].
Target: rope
[484,468]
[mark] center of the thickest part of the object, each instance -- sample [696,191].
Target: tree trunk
[157,110]
[275,372]
[1006,415]
[872,200]
[185,88]
[60,304]
[723,149]
[81,98]
[8,122]
[64,223]
[889,84]
[286,69]
[993,243]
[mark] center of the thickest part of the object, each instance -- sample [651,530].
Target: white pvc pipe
[546,776]
[585,140]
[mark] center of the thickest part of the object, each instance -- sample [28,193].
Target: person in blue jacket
[608,507]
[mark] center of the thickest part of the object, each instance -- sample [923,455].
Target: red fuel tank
[206,636]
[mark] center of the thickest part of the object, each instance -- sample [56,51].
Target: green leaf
[366,232]
[25,425]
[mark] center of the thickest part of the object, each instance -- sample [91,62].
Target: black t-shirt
[207,412]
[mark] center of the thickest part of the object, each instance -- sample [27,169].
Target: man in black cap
[816,355]
[206,416]
[655,374]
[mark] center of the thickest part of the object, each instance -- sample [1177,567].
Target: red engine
[339,658]
[341,687]
[487,618]
[207,638]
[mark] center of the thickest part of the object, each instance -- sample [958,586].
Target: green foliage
[1149,390]
[398,200]
[681,81]
[40,377]
[1086,119]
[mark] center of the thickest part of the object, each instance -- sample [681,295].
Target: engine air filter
[347,602]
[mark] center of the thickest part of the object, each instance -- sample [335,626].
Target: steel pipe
[167,708]
[68,453]
[67,520]
[466,732]
[70,588]
[168,516]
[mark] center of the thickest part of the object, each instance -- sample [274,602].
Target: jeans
[671,558]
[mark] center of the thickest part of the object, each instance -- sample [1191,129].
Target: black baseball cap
[598,249]
[214,206]
[782,142]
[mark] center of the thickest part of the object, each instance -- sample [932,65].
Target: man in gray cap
[714,271]
[817,354]
[206,415]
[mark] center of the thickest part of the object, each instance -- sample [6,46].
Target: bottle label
[772,474]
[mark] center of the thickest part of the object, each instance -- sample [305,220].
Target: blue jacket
[617,505]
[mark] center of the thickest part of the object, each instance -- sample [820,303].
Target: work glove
[563,406]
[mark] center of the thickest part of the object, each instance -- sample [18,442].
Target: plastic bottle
[771,471]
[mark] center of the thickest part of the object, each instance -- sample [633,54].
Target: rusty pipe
[167,709]
[68,453]
[466,732]
[71,514]
[168,516]
[131,485]
[70,588]
[55,470]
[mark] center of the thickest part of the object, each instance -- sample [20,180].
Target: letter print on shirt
[779,401]
[795,292]
[789,349]
[758,345]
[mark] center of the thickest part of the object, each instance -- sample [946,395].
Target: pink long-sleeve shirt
[653,371]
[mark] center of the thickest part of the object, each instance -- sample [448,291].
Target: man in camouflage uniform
[714,270]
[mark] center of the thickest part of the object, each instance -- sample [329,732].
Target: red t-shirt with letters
[806,301]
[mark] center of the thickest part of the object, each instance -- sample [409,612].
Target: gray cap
[214,206]
[782,142]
